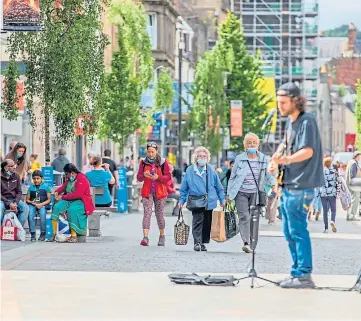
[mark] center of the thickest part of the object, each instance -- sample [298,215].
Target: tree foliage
[210,112]
[358,115]
[10,97]
[341,31]
[131,72]
[163,90]
[244,82]
[64,64]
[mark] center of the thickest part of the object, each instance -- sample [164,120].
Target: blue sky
[334,13]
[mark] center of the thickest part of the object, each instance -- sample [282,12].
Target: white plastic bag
[21,234]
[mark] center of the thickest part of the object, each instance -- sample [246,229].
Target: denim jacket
[195,184]
[240,170]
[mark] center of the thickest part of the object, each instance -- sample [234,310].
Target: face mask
[9,173]
[252,150]
[359,163]
[201,162]
[19,155]
[72,179]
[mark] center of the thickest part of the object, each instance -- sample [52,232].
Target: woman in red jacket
[75,199]
[154,172]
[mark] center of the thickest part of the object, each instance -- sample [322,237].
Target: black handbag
[199,202]
[262,196]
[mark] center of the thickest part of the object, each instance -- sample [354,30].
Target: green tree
[163,90]
[358,115]
[131,72]
[64,65]
[244,81]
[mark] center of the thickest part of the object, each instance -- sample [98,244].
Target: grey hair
[92,154]
[199,150]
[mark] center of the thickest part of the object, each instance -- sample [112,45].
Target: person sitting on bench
[101,176]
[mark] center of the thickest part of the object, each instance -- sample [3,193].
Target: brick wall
[347,71]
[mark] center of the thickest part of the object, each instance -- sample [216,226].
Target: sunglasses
[152,145]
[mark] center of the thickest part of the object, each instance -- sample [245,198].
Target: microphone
[269,116]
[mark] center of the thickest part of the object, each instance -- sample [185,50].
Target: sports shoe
[302,282]
[33,237]
[333,226]
[325,231]
[145,241]
[354,219]
[203,248]
[197,247]
[246,248]
[161,241]
[317,216]
[42,237]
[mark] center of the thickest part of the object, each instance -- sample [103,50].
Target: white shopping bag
[21,234]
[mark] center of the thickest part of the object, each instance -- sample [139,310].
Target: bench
[94,219]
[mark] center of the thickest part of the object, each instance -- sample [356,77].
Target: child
[34,165]
[38,196]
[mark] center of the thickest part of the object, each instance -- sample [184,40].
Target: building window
[152,29]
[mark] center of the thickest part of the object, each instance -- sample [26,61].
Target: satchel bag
[199,202]
[262,196]
[181,230]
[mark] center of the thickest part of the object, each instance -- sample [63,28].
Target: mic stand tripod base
[252,274]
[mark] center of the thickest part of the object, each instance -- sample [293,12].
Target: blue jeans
[22,214]
[297,203]
[42,214]
[317,206]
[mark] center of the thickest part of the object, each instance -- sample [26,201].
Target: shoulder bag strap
[206,179]
[254,177]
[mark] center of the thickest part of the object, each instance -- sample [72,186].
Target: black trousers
[201,226]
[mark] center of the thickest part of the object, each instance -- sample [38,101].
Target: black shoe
[33,237]
[203,248]
[42,237]
[197,247]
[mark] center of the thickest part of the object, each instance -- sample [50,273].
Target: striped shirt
[249,185]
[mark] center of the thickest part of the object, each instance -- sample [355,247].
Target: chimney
[352,33]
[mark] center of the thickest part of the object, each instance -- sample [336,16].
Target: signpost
[48,175]
[236,118]
[122,192]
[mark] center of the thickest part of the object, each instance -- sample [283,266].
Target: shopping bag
[181,230]
[231,222]
[12,227]
[218,229]
[63,226]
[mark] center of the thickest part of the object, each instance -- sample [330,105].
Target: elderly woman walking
[200,180]
[248,179]
[154,172]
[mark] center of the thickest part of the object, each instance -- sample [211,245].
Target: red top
[82,191]
[160,185]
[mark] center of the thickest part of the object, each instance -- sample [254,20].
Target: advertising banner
[21,15]
[236,118]
[268,88]
[122,192]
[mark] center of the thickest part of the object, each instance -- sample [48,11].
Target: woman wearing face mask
[18,155]
[248,175]
[195,183]
[75,199]
[154,172]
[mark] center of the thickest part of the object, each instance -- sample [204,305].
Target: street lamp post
[180,58]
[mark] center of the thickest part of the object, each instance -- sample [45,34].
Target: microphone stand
[265,144]
[252,274]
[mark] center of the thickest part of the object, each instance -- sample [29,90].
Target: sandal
[72,240]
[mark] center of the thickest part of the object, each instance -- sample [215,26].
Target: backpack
[344,194]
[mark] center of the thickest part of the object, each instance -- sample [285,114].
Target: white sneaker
[333,226]
[247,249]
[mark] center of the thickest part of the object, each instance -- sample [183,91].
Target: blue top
[39,194]
[100,178]
[194,183]
[330,187]
[309,173]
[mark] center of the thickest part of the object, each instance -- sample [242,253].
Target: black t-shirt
[309,173]
[112,165]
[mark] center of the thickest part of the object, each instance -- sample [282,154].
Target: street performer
[299,157]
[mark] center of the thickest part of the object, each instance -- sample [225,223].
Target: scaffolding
[285,33]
